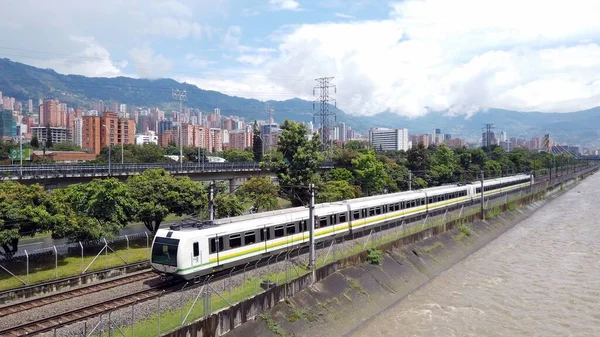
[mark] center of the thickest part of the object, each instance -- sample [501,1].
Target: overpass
[59,175]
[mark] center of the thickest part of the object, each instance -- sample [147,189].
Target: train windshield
[164,251]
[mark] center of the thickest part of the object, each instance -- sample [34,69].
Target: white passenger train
[193,251]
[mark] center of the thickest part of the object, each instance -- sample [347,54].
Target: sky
[407,57]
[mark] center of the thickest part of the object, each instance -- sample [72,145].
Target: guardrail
[11,172]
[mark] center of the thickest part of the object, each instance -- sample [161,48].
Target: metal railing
[10,172]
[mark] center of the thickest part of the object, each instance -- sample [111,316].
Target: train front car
[165,249]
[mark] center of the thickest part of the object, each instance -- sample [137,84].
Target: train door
[195,253]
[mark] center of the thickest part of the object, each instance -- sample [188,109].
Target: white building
[147,138]
[78,131]
[389,139]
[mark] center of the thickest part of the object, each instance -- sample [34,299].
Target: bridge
[59,175]
[564,150]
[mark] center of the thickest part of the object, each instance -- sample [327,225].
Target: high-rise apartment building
[388,139]
[78,132]
[58,134]
[91,129]
[99,132]
[241,139]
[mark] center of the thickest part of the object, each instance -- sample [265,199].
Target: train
[201,248]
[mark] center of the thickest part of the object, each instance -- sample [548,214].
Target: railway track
[76,315]
[37,302]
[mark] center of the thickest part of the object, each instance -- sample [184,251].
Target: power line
[326,116]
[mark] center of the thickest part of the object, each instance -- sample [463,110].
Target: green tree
[35,143]
[418,158]
[300,160]
[445,168]
[492,169]
[101,207]
[24,211]
[238,155]
[159,194]
[257,144]
[340,173]
[370,172]
[261,192]
[228,205]
[330,191]
[49,143]
[354,145]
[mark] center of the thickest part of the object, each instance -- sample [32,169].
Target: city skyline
[211,130]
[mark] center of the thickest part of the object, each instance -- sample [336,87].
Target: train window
[235,241]
[355,215]
[213,246]
[249,238]
[196,249]
[397,207]
[371,211]
[423,201]
[377,210]
[323,222]
[412,203]
[290,229]
[278,231]
[342,217]
[430,200]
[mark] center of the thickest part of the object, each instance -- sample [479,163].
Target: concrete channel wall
[338,297]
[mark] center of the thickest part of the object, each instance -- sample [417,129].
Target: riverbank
[347,298]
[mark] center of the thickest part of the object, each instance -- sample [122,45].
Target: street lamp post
[109,148]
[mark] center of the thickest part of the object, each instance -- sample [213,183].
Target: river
[540,278]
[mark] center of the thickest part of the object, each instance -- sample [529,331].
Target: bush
[464,229]
[374,256]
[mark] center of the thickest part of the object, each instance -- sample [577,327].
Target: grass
[41,271]
[432,247]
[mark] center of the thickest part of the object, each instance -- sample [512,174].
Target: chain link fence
[60,261]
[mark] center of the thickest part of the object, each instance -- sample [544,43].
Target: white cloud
[240,83]
[254,60]
[92,60]
[344,16]
[147,64]
[232,37]
[509,54]
[174,28]
[290,5]
[197,62]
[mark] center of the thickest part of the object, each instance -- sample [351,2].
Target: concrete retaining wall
[337,298]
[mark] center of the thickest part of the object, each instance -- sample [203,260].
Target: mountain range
[27,82]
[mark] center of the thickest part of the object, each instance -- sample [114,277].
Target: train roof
[257,220]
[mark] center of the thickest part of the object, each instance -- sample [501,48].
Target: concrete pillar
[235,183]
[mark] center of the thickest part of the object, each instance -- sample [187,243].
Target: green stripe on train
[339,227]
